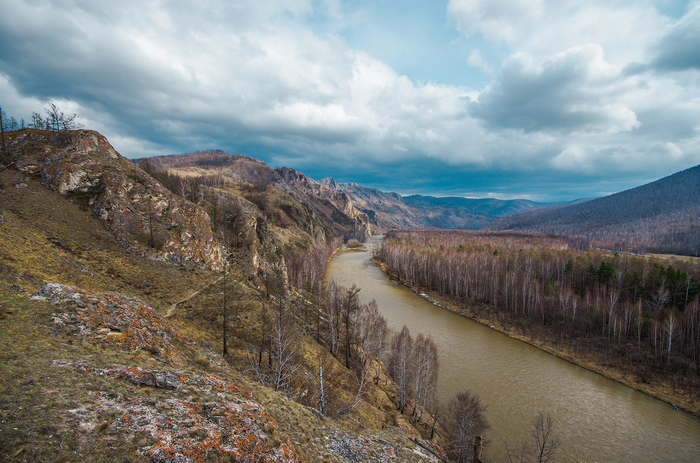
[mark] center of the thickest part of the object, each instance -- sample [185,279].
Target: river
[596,418]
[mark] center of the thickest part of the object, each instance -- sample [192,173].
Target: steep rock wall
[143,215]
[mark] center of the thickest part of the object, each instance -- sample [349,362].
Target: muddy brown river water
[596,418]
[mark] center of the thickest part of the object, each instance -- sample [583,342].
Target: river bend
[596,418]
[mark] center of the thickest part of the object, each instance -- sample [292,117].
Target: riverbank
[585,358]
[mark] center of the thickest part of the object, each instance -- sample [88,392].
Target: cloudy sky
[539,99]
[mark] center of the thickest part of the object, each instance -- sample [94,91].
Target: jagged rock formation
[326,201]
[144,216]
[391,210]
[312,207]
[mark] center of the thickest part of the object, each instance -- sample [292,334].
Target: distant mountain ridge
[355,209]
[391,210]
[662,216]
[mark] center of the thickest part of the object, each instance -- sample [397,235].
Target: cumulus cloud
[232,66]
[570,92]
[623,28]
[496,20]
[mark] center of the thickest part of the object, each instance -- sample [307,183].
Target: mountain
[662,216]
[391,210]
[144,216]
[111,295]
[289,198]
[347,209]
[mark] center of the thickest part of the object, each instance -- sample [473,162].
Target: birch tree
[400,366]
[468,422]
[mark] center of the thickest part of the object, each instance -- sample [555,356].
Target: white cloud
[476,59]
[573,91]
[497,20]
[160,78]
[623,28]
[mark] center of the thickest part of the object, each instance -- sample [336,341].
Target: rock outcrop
[144,216]
[230,424]
[322,199]
[323,214]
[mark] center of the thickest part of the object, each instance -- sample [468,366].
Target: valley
[189,288]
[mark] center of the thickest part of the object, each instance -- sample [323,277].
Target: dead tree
[349,307]
[284,355]
[542,445]
[468,422]
[2,127]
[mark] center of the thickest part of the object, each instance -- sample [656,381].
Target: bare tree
[37,121]
[349,307]
[542,445]
[184,187]
[3,116]
[147,165]
[429,372]
[53,117]
[670,328]
[362,377]
[468,423]
[321,389]
[284,354]
[420,354]
[331,308]
[264,319]
[400,364]
[373,331]
[546,442]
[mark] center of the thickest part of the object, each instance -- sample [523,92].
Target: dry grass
[45,236]
[53,413]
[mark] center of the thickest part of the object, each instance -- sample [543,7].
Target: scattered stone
[187,431]
[113,318]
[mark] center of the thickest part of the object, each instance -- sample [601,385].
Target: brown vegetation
[132,385]
[658,217]
[634,318]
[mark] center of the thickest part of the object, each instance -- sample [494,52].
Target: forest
[638,315]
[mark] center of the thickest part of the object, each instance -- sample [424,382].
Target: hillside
[347,209]
[661,216]
[286,197]
[110,323]
[391,210]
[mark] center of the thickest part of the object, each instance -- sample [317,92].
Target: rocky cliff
[311,207]
[144,216]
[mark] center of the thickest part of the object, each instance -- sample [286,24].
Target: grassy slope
[51,413]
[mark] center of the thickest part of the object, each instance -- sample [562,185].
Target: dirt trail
[174,306]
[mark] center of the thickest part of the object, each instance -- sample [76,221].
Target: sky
[546,100]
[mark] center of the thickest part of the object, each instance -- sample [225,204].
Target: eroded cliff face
[337,204]
[144,216]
